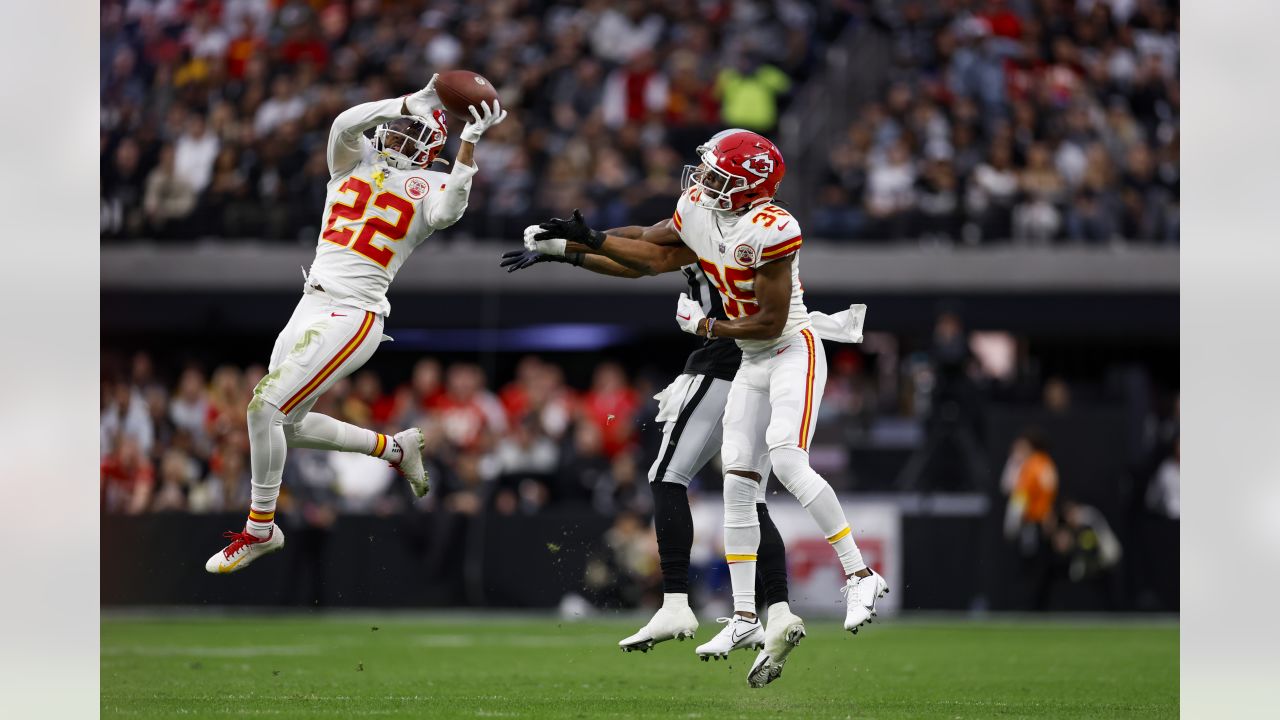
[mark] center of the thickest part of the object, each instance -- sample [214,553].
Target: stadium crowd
[215,114]
[1039,120]
[183,445]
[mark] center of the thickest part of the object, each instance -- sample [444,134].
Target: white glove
[425,101]
[472,131]
[554,246]
[688,314]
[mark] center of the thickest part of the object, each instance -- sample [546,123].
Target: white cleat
[738,633]
[243,550]
[410,465]
[667,624]
[860,595]
[783,634]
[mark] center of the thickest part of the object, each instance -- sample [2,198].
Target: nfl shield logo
[720,247]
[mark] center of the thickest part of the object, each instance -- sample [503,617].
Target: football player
[725,222]
[383,201]
[691,410]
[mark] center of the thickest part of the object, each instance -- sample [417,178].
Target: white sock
[675,601]
[266,462]
[321,432]
[826,511]
[815,494]
[741,539]
[779,609]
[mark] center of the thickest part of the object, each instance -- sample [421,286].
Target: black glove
[574,230]
[514,260]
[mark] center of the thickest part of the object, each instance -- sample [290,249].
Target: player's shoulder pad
[774,233]
[684,205]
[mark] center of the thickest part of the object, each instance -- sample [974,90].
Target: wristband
[594,239]
[711,324]
[574,259]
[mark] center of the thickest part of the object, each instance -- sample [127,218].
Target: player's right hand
[425,101]
[574,229]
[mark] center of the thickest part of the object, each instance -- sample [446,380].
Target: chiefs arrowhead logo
[760,165]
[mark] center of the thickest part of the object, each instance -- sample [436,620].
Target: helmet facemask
[716,187]
[410,141]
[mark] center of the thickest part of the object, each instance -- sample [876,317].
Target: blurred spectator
[470,414]
[954,425]
[195,152]
[623,568]
[1030,479]
[170,198]
[227,488]
[177,473]
[611,406]
[1087,542]
[749,92]
[128,478]
[283,105]
[124,417]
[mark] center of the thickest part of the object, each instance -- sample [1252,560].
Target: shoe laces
[851,587]
[238,540]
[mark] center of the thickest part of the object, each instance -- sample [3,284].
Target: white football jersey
[731,247]
[375,215]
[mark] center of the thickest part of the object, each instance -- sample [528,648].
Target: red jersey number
[738,300]
[372,226]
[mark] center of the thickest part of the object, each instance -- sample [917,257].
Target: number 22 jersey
[375,214]
[730,248]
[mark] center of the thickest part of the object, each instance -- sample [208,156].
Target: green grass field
[469,667]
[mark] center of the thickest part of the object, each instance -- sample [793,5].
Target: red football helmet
[740,171]
[412,141]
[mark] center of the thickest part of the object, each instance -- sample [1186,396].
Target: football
[460,89]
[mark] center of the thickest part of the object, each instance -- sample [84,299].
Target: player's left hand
[514,260]
[484,118]
[689,314]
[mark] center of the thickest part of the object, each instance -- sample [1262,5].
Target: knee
[789,462]
[261,413]
[791,465]
[740,501]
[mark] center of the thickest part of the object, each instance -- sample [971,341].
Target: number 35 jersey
[731,248]
[375,215]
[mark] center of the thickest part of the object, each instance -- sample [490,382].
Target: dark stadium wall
[515,562]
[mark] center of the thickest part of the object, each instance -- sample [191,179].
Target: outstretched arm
[559,250]
[657,250]
[346,136]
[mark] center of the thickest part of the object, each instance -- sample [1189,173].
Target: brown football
[460,89]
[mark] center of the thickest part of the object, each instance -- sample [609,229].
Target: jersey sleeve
[778,235]
[678,216]
[446,204]
[346,137]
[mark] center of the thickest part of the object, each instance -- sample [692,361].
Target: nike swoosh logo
[224,568]
[683,317]
[737,637]
[336,315]
[782,350]
[783,225]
